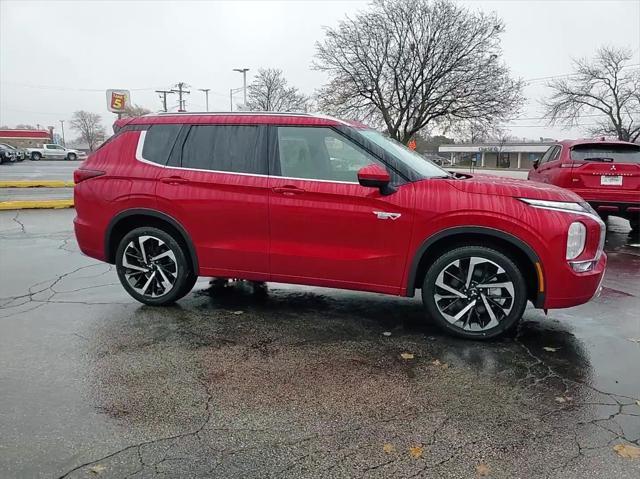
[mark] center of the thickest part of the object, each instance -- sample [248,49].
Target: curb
[35,204]
[36,184]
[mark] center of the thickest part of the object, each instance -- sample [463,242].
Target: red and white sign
[117,100]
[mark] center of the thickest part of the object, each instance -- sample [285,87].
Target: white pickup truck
[54,152]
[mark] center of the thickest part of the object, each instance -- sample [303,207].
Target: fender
[524,247]
[156,214]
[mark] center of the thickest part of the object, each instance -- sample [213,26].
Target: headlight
[558,205]
[576,238]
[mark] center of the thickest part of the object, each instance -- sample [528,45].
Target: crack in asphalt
[20,223]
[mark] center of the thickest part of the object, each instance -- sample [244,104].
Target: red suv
[605,173]
[308,199]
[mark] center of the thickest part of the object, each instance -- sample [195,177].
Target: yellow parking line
[35,184]
[33,204]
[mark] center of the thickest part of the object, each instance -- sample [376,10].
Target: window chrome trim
[142,159]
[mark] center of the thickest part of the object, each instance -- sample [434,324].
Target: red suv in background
[605,173]
[308,199]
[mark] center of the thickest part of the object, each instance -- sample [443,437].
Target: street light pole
[64,143]
[244,81]
[206,93]
[230,99]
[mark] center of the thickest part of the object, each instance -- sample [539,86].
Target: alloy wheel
[474,293]
[150,266]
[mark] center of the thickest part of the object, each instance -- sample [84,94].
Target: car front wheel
[474,292]
[153,267]
[71,157]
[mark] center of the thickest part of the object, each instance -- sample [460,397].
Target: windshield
[607,153]
[413,160]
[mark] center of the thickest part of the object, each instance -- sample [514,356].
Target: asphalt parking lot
[287,381]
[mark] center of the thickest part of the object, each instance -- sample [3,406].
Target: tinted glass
[158,142]
[548,154]
[413,160]
[233,148]
[320,154]
[606,153]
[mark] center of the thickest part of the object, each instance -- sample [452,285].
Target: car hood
[484,184]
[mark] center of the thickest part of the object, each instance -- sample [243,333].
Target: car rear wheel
[153,267]
[71,157]
[35,156]
[474,292]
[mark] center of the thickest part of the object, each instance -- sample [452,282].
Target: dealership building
[25,138]
[515,156]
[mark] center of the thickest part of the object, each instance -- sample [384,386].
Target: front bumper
[573,289]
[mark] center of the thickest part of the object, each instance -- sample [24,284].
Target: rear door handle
[288,190]
[174,180]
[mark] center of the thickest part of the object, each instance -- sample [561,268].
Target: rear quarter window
[158,142]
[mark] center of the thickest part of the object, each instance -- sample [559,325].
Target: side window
[320,154]
[50,147]
[233,148]
[158,142]
[548,154]
[555,155]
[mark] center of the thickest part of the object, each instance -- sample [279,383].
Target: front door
[216,186]
[326,229]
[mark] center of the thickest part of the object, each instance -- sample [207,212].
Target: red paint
[325,233]
[34,134]
[585,177]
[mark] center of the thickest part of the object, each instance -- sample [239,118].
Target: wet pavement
[288,381]
[39,170]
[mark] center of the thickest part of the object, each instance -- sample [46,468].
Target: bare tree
[133,111]
[603,86]
[409,64]
[269,91]
[22,126]
[90,127]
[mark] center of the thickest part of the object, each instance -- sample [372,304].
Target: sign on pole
[117,100]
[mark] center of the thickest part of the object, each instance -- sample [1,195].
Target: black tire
[72,157]
[634,222]
[477,324]
[35,156]
[159,242]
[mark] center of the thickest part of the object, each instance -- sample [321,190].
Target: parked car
[54,152]
[605,173]
[18,154]
[7,155]
[255,196]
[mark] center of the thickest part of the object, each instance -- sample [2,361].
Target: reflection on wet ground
[286,381]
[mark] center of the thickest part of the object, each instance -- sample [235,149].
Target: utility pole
[206,94]
[163,95]
[230,99]
[64,143]
[244,81]
[181,91]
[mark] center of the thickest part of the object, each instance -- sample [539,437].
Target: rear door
[215,184]
[606,167]
[327,229]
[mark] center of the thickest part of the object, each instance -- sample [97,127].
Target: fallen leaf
[560,399]
[416,451]
[406,355]
[238,312]
[389,448]
[550,349]
[634,340]
[482,469]
[436,362]
[627,450]
[97,469]
[638,403]
[386,333]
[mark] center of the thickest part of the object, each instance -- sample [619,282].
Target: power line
[564,75]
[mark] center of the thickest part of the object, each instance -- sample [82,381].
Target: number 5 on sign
[117,100]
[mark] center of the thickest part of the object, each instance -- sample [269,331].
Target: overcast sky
[59,56]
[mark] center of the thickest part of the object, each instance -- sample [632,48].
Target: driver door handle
[288,190]
[174,180]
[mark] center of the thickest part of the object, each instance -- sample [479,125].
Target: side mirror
[536,163]
[374,176]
